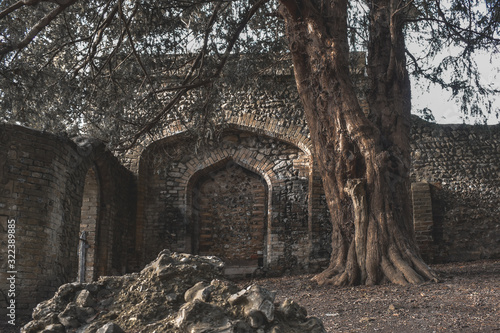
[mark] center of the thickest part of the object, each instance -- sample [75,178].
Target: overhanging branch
[35,30]
[186,86]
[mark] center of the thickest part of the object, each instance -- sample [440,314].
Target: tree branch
[11,9]
[131,40]
[186,88]
[39,26]
[454,29]
[201,55]
[236,34]
[23,3]
[98,38]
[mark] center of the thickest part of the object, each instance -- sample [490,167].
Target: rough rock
[174,293]
[110,328]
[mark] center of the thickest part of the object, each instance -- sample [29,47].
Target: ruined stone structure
[252,196]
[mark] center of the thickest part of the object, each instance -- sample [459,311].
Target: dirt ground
[467,299]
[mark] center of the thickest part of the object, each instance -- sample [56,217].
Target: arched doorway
[229,217]
[87,251]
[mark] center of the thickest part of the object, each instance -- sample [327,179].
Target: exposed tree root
[392,269]
[397,262]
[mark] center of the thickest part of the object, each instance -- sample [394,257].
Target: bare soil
[467,299]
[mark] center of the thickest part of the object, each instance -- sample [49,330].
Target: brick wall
[89,220]
[422,219]
[230,215]
[42,178]
[56,188]
[117,212]
[39,179]
[460,163]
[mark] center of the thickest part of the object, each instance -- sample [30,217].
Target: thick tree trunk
[364,159]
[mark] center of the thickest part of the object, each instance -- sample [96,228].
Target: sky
[446,110]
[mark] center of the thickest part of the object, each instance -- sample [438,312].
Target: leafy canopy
[119,69]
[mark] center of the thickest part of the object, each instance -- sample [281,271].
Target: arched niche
[229,215]
[88,245]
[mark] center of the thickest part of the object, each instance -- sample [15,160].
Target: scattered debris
[175,293]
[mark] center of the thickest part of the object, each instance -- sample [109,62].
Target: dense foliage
[117,69]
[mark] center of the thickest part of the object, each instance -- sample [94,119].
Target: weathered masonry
[53,187]
[245,199]
[252,197]
[458,171]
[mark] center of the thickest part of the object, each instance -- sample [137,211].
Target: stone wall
[270,211]
[444,211]
[230,209]
[455,191]
[296,220]
[269,106]
[42,179]
[462,165]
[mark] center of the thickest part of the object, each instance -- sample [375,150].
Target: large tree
[118,56]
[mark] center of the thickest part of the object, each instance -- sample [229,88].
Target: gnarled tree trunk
[364,159]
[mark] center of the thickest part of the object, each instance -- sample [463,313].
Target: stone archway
[170,179]
[230,217]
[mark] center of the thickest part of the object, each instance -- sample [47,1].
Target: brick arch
[163,209]
[47,198]
[94,171]
[228,215]
[244,157]
[272,127]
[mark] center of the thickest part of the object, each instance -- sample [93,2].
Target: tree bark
[363,158]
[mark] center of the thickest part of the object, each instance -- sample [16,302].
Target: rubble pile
[175,293]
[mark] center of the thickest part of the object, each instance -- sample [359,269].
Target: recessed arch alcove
[172,173]
[88,246]
[229,214]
